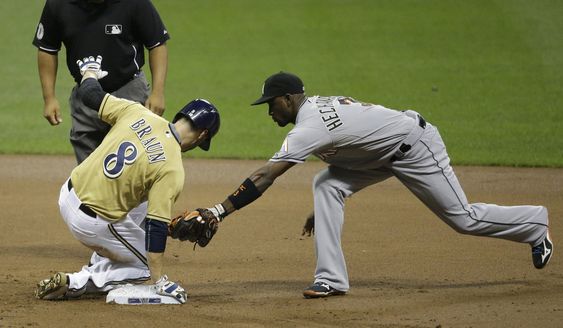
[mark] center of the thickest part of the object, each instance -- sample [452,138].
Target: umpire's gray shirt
[346,133]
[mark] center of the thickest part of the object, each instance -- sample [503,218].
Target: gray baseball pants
[88,130]
[426,171]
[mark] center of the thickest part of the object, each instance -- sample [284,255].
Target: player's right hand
[52,111]
[92,67]
[309,226]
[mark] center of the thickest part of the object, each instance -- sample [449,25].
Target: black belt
[83,207]
[406,147]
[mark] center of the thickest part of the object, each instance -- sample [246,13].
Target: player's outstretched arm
[251,188]
[201,225]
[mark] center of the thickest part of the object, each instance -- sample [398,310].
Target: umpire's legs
[330,187]
[88,130]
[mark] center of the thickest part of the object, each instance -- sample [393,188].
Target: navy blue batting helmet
[203,115]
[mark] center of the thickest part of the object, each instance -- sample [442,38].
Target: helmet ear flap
[206,143]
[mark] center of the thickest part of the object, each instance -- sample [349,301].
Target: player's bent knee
[320,179]
[327,190]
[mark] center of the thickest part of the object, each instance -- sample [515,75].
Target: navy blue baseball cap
[280,84]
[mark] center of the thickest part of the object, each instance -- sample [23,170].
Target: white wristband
[219,211]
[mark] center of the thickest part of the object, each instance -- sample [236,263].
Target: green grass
[487,73]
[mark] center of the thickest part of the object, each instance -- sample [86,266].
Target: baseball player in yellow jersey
[139,160]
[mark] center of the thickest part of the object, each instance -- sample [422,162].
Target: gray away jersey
[346,133]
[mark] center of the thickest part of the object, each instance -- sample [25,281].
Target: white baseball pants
[119,247]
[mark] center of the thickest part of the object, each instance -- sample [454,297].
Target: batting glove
[91,64]
[166,287]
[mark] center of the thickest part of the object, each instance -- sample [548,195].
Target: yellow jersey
[139,160]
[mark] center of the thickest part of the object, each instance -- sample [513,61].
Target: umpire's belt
[83,207]
[412,138]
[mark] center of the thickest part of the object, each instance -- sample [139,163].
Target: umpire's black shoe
[320,289]
[541,254]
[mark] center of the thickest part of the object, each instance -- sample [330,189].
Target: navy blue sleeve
[156,233]
[91,93]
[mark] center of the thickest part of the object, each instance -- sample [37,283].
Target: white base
[138,295]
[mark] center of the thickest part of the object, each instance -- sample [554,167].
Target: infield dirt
[407,268]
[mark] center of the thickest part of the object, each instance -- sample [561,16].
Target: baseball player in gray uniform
[365,144]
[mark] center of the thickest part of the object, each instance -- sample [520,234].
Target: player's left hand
[166,287]
[309,227]
[155,103]
[92,67]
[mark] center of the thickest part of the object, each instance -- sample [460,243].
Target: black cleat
[320,289]
[541,254]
